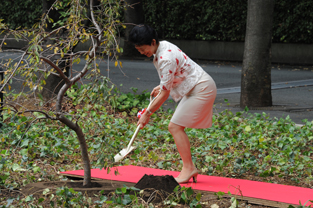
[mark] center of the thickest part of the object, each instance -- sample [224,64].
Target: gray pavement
[292,86]
[297,102]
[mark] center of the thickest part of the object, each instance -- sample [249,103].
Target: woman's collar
[159,48]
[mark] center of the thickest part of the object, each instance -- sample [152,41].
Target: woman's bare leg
[183,145]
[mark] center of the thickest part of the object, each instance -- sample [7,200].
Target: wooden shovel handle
[133,138]
[139,126]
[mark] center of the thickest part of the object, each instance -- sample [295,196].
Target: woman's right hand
[155,91]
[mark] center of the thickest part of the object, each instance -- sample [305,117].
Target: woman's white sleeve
[167,71]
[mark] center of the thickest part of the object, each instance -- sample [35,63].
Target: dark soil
[156,188]
[96,186]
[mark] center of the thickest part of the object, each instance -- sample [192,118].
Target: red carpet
[260,190]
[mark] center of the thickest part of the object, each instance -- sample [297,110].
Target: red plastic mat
[253,189]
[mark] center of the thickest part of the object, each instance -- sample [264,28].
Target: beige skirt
[195,110]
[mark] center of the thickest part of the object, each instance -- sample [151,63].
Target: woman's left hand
[155,91]
[144,119]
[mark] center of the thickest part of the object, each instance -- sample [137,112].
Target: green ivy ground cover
[238,145]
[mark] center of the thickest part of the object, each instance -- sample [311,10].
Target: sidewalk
[297,102]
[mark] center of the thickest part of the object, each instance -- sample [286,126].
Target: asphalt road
[142,74]
[292,86]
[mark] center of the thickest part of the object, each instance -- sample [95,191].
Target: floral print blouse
[177,72]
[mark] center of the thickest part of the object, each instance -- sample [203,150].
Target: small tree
[47,50]
[256,69]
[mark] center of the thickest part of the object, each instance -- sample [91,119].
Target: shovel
[129,148]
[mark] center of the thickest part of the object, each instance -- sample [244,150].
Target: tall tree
[256,70]
[133,15]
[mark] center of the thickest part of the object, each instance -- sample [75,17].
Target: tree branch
[93,19]
[11,75]
[31,111]
[37,111]
[62,75]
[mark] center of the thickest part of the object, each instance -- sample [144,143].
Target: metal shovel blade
[123,153]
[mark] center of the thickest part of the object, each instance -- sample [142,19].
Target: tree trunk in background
[133,15]
[53,83]
[256,69]
[54,14]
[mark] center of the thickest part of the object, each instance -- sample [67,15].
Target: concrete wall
[222,51]
[12,43]
[292,53]
[210,50]
[233,51]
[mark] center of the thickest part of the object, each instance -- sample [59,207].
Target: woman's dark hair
[143,35]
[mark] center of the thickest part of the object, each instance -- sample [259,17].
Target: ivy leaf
[124,190]
[247,128]
[36,169]
[183,196]
[189,192]
[160,164]
[25,143]
[198,197]
[23,119]
[24,152]
[17,167]
[126,200]
[9,202]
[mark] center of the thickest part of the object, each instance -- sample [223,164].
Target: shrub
[24,13]
[226,20]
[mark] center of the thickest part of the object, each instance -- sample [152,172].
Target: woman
[184,80]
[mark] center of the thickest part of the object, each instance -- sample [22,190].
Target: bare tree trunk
[80,136]
[256,71]
[83,148]
[133,15]
[54,14]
